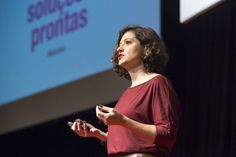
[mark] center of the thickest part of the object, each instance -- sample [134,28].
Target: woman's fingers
[105,114]
[105,109]
[75,125]
[99,112]
[108,115]
[85,129]
[80,127]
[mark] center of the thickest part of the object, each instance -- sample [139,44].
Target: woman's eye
[128,42]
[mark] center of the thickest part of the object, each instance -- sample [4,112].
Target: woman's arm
[111,117]
[145,131]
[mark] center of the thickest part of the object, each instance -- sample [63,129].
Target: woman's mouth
[120,56]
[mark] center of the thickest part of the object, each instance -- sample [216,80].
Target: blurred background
[55,67]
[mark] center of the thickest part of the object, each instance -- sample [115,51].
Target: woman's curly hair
[155,56]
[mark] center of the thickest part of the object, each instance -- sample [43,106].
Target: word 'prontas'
[66,23]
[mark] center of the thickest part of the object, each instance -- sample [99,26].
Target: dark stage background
[203,68]
[203,71]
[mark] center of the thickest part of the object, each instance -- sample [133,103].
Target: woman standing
[145,120]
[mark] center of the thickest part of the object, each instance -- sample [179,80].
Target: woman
[145,120]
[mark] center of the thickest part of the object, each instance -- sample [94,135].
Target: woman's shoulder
[160,78]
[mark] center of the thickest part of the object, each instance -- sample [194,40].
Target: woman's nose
[119,49]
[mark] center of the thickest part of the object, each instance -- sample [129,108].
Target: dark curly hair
[155,56]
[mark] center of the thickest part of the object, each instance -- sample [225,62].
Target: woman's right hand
[84,129]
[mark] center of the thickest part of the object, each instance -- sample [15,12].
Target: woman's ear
[146,51]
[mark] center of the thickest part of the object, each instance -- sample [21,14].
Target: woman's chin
[121,63]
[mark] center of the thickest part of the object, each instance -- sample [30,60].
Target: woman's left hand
[109,116]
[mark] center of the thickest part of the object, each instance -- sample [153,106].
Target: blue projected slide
[48,43]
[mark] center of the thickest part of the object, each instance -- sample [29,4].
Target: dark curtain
[203,68]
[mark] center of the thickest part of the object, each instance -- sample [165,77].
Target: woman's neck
[140,75]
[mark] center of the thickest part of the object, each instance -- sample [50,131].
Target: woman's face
[129,51]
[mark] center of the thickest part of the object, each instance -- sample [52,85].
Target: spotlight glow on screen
[189,10]
[48,43]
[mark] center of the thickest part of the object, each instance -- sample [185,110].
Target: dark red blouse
[153,102]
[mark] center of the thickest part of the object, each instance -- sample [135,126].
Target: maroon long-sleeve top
[153,102]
